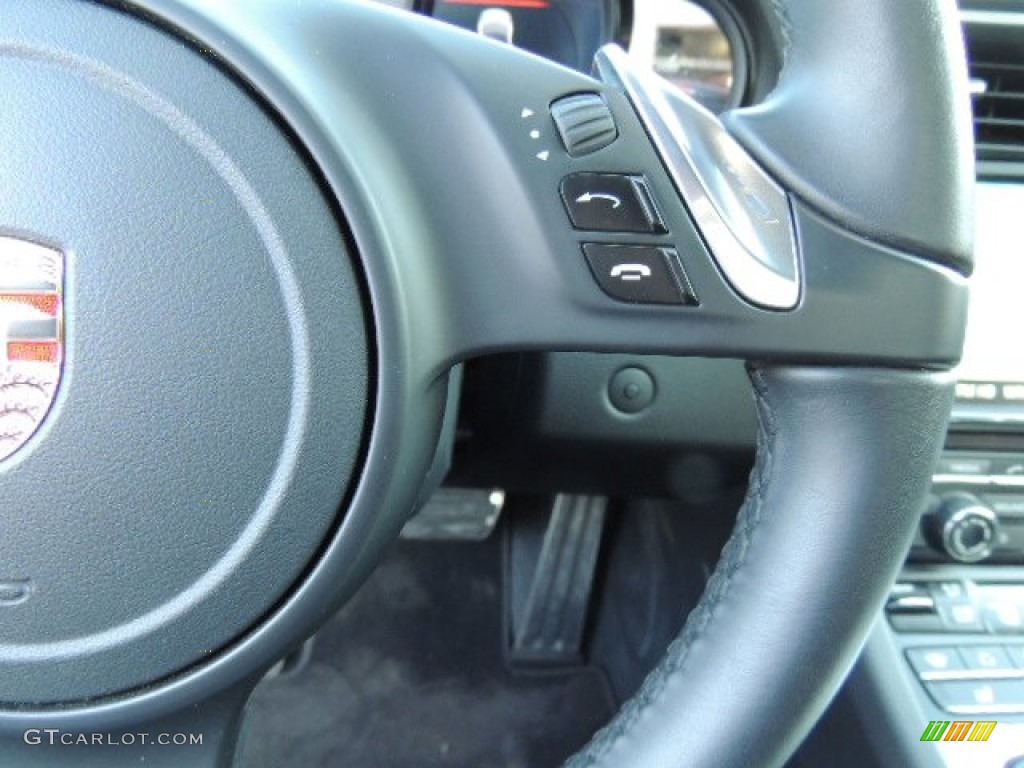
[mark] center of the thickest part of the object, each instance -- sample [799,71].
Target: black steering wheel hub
[211,408]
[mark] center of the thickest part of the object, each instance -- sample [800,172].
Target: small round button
[631,390]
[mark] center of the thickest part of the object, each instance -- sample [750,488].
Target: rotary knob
[963,528]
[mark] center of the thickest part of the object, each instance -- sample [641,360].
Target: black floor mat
[411,673]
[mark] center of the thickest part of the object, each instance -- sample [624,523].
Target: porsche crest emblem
[31,337]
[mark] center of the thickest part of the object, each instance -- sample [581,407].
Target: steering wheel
[249,242]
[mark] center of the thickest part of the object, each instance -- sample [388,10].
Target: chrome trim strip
[1003,481]
[992,18]
[909,604]
[743,215]
[972,674]
[976,413]
[986,709]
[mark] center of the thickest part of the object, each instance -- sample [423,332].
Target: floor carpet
[411,673]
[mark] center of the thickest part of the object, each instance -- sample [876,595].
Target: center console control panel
[957,612]
[961,606]
[975,512]
[964,641]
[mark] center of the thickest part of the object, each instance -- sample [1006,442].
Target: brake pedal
[468,514]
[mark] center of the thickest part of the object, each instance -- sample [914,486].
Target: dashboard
[991,374]
[965,568]
[700,51]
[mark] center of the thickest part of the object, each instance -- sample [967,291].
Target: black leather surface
[844,461]
[867,123]
[845,453]
[217,370]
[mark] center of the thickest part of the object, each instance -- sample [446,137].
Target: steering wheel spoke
[504,237]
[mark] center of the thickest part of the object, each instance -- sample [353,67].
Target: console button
[988,658]
[1002,607]
[1016,653]
[631,390]
[938,659]
[960,617]
[946,591]
[639,274]
[977,696]
[911,602]
[584,122]
[1003,618]
[1006,504]
[905,588]
[911,609]
[610,202]
[964,465]
[916,622]
[1012,466]
[954,606]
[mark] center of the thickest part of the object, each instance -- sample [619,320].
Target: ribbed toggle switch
[584,122]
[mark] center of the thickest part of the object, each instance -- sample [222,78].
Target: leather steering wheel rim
[811,511]
[761,648]
[851,383]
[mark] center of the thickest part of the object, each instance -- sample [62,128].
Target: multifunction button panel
[957,606]
[606,207]
[979,666]
[972,679]
[621,203]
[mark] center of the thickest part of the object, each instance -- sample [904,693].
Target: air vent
[998,95]
[996,60]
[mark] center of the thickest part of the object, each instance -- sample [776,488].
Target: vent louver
[998,110]
[996,61]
